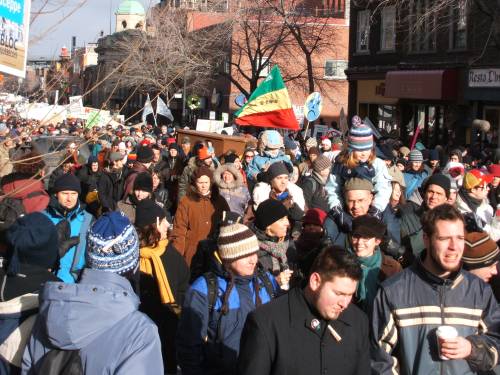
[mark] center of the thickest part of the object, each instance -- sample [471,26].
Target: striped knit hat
[480,251]
[360,136]
[236,241]
[112,244]
[415,155]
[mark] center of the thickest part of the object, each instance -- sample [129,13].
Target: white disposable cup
[445,333]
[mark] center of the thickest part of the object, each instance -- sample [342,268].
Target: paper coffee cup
[445,333]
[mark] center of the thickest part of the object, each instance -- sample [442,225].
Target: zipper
[442,289]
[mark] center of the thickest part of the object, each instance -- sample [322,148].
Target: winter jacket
[262,192]
[235,193]
[208,342]
[483,215]
[131,175]
[412,237]
[412,304]
[110,189]
[263,161]
[80,220]
[381,183]
[185,178]
[112,336]
[6,165]
[18,308]
[315,195]
[196,218]
[28,189]
[287,336]
[89,180]
[413,180]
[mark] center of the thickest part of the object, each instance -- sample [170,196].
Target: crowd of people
[154,254]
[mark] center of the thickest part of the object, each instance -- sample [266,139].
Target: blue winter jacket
[209,343]
[413,180]
[80,221]
[263,161]
[99,317]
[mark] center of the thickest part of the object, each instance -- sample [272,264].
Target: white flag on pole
[148,109]
[162,109]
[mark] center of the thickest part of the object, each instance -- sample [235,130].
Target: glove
[375,212]
[341,218]
[65,241]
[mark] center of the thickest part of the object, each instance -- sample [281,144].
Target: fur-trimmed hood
[230,167]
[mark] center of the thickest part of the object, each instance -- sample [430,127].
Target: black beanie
[32,239]
[268,212]
[231,158]
[66,182]
[277,169]
[144,181]
[439,180]
[145,154]
[146,213]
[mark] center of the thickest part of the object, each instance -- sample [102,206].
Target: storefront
[426,100]
[483,93]
[372,103]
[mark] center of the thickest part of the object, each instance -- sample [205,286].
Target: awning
[422,84]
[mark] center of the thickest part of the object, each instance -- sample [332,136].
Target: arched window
[124,24]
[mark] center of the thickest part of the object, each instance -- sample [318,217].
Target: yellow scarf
[151,264]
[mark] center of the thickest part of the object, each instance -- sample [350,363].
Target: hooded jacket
[235,193]
[98,317]
[28,189]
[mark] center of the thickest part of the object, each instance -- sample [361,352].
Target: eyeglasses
[483,187]
[248,156]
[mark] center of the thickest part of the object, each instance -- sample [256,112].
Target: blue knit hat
[112,244]
[360,136]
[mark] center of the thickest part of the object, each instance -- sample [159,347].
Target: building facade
[437,71]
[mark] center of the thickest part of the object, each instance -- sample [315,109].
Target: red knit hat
[494,170]
[314,216]
[203,153]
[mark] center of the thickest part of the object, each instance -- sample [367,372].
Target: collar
[454,279]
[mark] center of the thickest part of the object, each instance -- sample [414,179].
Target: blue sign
[313,106]
[240,100]
[12,10]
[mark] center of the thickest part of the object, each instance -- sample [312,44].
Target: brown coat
[388,268]
[196,218]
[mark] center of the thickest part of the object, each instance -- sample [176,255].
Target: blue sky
[86,23]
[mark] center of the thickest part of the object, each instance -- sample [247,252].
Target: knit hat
[290,144]
[92,159]
[203,171]
[67,182]
[145,154]
[475,178]
[268,212]
[433,154]
[404,151]
[397,175]
[115,156]
[384,152]
[439,180]
[479,251]
[236,241]
[360,136]
[143,181]
[277,169]
[146,213]
[112,244]
[311,142]
[203,153]
[314,216]
[494,170]
[313,151]
[367,226]
[32,240]
[416,156]
[321,163]
[357,183]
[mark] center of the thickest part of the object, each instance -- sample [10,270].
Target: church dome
[131,7]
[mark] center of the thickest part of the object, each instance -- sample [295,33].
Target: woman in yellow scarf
[164,277]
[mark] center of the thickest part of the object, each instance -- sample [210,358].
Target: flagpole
[307,127]
[154,116]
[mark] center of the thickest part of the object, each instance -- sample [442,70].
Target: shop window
[458,26]
[363,31]
[335,69]
[388,29]
[422,26]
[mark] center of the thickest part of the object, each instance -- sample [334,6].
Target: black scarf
[472,202]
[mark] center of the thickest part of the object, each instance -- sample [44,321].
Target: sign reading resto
[484,78]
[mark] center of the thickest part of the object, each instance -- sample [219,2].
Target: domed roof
[131,7]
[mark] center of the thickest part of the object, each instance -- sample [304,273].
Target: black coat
[278,339]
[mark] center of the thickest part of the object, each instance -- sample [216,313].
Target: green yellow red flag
[269,105]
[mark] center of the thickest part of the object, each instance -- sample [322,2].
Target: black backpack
[61,362]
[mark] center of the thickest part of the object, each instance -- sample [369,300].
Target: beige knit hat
[236,241]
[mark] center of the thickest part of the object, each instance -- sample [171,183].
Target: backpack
[61,362]
[10,210]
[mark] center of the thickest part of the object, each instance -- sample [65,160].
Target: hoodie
[99,317]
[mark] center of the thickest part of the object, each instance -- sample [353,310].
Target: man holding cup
[436,298]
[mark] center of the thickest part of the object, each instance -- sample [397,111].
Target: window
[265,64]
[458,27]
[363,31]
[422,26]
[388,29]
[335,69]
